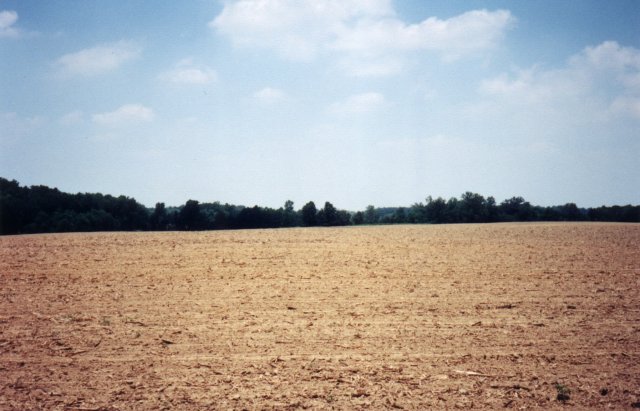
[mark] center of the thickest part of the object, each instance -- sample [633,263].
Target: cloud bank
[366,35]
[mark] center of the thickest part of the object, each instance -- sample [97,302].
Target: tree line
[40,209]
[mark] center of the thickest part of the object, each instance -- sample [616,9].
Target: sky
[355,102]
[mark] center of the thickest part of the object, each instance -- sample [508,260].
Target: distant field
[406,317]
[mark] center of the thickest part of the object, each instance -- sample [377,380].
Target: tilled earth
[399,317]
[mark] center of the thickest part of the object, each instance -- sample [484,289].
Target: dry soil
[404,317]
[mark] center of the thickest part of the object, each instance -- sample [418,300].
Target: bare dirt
[399,317]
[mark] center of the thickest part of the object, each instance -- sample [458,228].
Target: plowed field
[405,317]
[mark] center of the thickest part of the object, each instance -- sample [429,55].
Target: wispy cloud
[128,113]
[359,66]
[186,72]
[367,36]
[269,95]
[8,18]
[71,118]
[99,59]
[626,106]
[604,79]
[16,127]
[359,103]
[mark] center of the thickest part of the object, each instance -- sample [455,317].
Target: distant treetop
[40,209]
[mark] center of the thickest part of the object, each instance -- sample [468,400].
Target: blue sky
[355,102]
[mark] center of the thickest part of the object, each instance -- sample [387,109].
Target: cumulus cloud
[454,37]
[610,54]
[99,59]
[366,34]
[126,114]
[186,72]
[8,18]
[531,85]
[359,103]
[297,29]
[610,58]
[269,95]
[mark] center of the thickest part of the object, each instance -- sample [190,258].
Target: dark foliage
[40,209]
[309,214]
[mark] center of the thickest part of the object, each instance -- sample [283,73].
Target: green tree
[370,215]
[418,213]
[99,219]
[158,219]
[288,214]
[190,216]
[492,209]
[343,217]
[472,208]
[13,207]
[452,214]
[516,209]
[330,214]
[399,216]
[436,210]
[571,212]
[309,214]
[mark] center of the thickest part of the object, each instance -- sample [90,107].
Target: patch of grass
[563,392]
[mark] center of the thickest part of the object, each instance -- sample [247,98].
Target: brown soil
[406,317]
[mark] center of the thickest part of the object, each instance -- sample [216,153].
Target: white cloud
[454,37]
[128,113]
[610,54]
[359,103]
[71,118]
[610,58]
[297,29]
[598,81]
[15,127]
[8,18]
[626,106]
[372,67]
[269,95]
[366,34]
[532,85]
[99,59]
[186,72]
